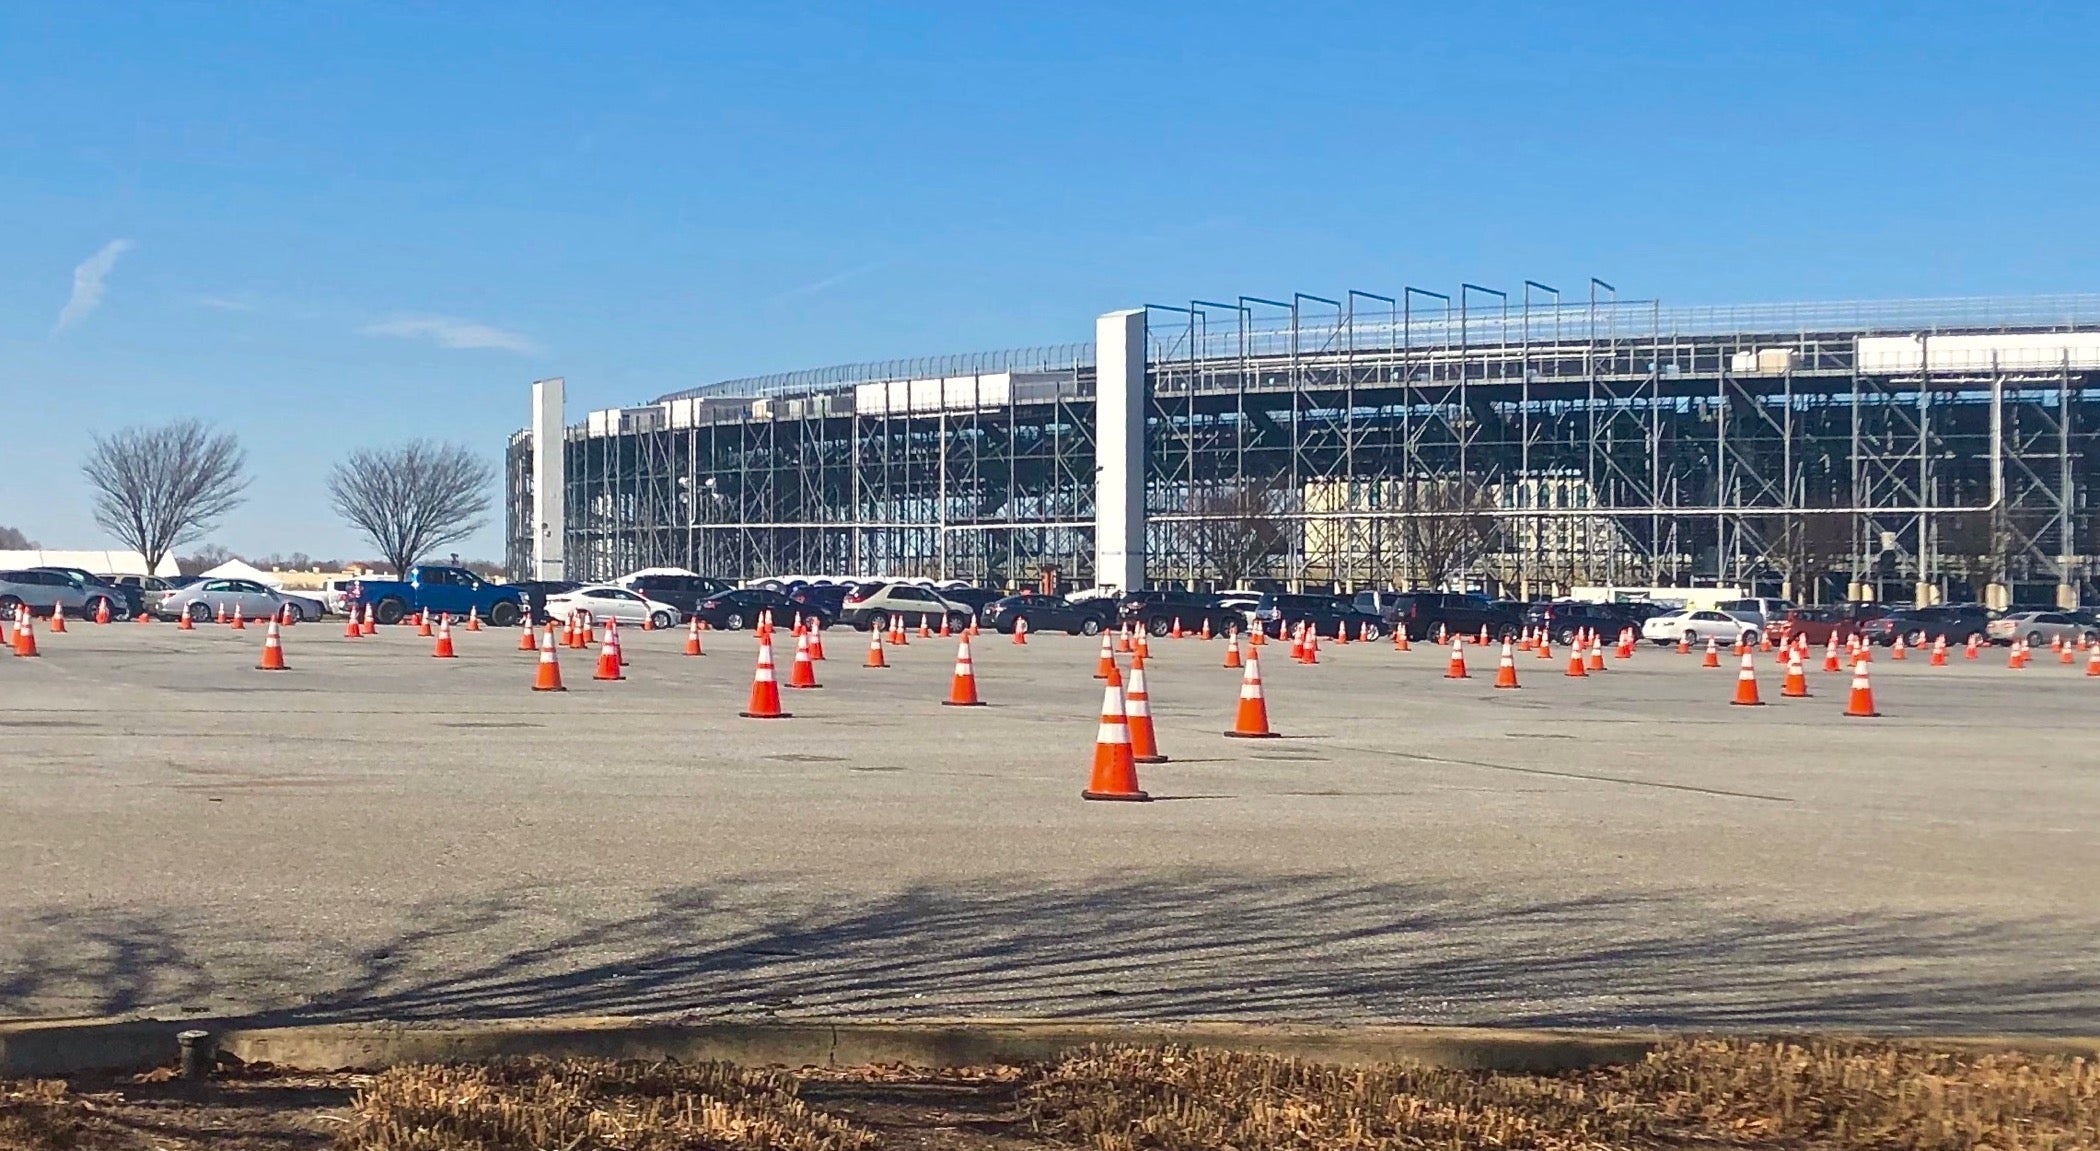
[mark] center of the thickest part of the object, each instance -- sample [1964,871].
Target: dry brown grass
[38,1115]
[1812,1093]
[529,1105]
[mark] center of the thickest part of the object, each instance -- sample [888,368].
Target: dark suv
[1563,618]
[1280,614]
[683,592]
[1422,612]
[1957,623]
[124,602]
[1156,611]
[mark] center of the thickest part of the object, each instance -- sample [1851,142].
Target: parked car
[451,591]
[1422,612]
[682,591]
[594,602]
[874,606]
[335,594]
[146,584]
[204,599]
[1280,613]
[974,598]
[2040,628]
[1923,624]
[1764,609]
[1818,625]
[1696,626]
[1563,618]
[123,602]
[739,608]
[825,599]
[1043,613]
[1156,612]
[42,591]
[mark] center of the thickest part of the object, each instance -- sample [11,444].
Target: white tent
[99,562]
[241,569]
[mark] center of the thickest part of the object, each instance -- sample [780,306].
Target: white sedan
[1699,626]
[603,601]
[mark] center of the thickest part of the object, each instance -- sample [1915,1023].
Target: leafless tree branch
[412,499]
[158,488]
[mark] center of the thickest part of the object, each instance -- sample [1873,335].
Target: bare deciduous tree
[158,488]
[1242,535]
[12,539]
[412,499]
[1449,525]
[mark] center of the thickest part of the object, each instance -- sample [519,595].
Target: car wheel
[504,614]
[9,605]
[661,620]
[389,611]
[1372,631]
[1089,626]
[878,621]
[1509,632]
[198,612]
[1160,626]
[2034,639]
[734,621]
[1690,637]
[1750,638]
[93,607]
[1566,636]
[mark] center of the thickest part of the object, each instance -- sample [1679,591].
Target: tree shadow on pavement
[1298,948]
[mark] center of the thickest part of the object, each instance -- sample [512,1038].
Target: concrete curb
[58,1047]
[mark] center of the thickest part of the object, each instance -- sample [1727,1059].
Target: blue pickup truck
[441,590]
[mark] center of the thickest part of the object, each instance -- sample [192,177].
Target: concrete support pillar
[550,521]
[1119,450]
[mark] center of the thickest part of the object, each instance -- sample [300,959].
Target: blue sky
[336,225]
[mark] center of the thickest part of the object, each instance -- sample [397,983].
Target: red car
[1819,624]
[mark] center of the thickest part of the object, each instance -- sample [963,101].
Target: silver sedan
[203,600]
[1699,626]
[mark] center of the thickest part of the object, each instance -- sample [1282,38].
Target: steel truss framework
[1608,442]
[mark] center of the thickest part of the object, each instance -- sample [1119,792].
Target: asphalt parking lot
[378,834]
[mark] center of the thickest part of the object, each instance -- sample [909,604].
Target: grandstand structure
[1933,449]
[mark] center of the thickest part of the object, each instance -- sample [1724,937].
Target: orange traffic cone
[816,643]
[222,616]
[1141,646]
[1594,647]
[945,633]
[1298,643]
[423,629]
[443,648]
[926,632]
[2092,661]
[1625,650]
[1021,632]
[1137,707]
[1106,665]
[371,624]
[239,624]
[802,673]
[1175,631]
[875,656]
[1897,650]
[273,650]
[1830,655]
[101,611]
[548,678]
[1939,651]
[473,617]
[1506,673]
[1232,649]
[183,623]
[526,641]
[1969,650]
[1115,768]
[1123,645]
[1312,646]
[2016,656]
[649,623]
[1456,669]
[25,635]
[1577,666]
[897,636]
[1400,638]
[765,690]
[1713,654]
[692,637]
[1746,683]
[2063,652]
[962,689]
[1252,721]
[609,658]
[287,616]
[1545,648]
[1795,686]
[1260,638]
[1341,634]
[143,617]
[58,619]
[1861,703]
[1684,645]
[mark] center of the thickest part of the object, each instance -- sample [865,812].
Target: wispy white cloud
[826,283]
[89,281]
[450,332]
[225,303]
